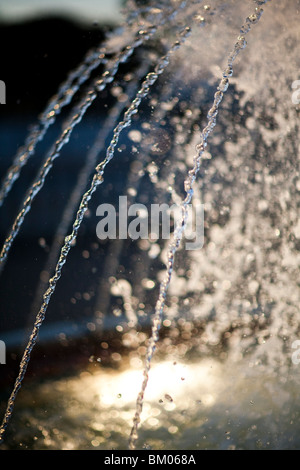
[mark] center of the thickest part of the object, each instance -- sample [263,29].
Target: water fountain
[192,116]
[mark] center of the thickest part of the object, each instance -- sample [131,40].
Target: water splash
[231,288]
[212,117]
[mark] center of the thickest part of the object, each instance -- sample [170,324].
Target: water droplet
[168,397]
[135,136]
[199,19]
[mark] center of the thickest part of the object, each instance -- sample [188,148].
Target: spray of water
[212,117]
[185,14]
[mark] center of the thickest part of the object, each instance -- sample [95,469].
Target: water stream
[205,115]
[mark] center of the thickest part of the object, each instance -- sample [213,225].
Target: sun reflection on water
[176,381]
[195,405]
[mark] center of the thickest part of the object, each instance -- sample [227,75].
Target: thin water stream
[210,117]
